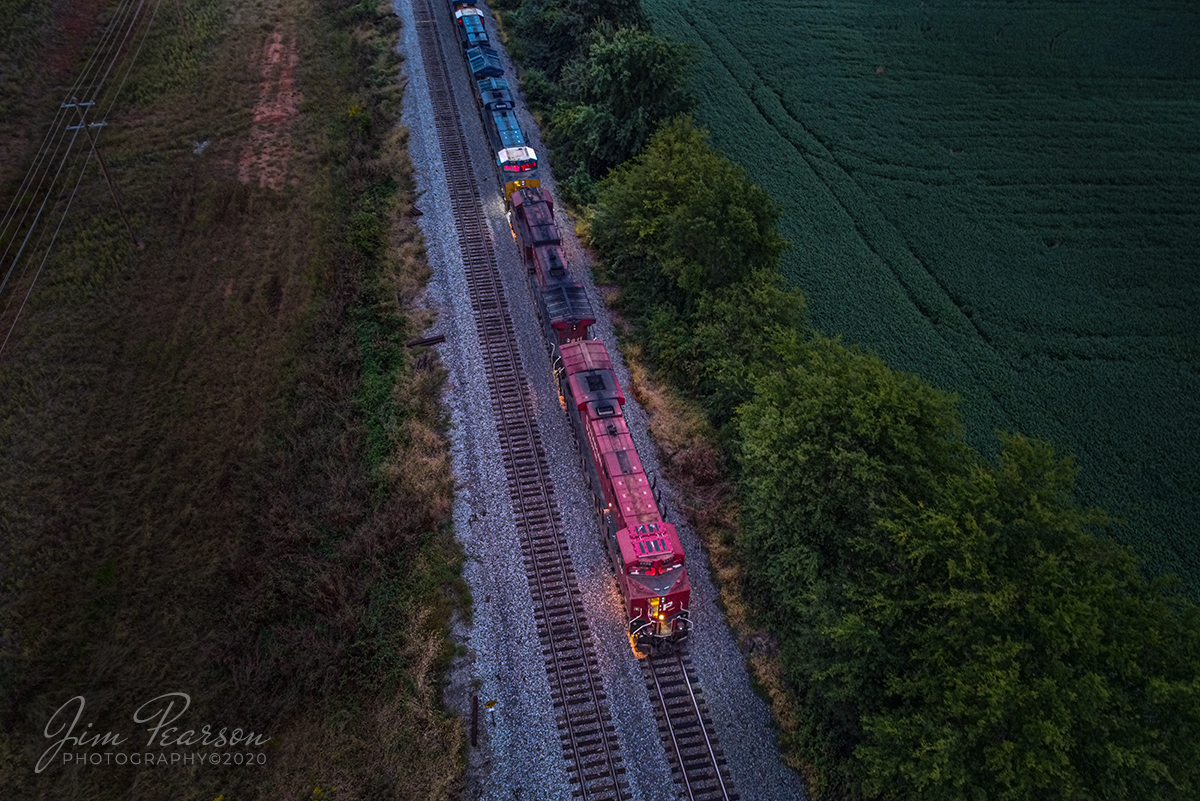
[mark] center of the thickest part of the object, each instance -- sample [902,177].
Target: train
[562,302]
[516,161]
[644,549]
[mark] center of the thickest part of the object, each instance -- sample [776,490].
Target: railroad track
[699,765]
[590,748]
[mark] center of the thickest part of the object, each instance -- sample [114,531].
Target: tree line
[952,626]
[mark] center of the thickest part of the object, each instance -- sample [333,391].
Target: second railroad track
[594,763]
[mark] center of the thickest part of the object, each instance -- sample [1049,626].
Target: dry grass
[221,472]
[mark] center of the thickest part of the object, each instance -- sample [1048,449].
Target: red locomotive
[645,550]
[562,302]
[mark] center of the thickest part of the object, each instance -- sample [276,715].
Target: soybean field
[1002,197]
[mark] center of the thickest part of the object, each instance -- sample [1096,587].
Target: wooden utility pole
[87,129]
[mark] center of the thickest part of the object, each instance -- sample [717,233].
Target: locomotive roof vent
[611,428]
[607,411]
[595,382]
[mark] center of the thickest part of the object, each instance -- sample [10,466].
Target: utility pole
[87,129]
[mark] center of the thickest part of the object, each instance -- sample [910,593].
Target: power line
[23,225]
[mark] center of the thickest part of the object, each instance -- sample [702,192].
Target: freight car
[562,302]
[645,549]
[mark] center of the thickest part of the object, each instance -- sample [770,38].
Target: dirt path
[265,157]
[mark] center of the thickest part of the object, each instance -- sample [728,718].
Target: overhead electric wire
[58,145]
[45,258]
[134,58]
[59,125]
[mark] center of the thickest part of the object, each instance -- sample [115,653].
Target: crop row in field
[1003,198]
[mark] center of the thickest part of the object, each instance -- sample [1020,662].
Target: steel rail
[685,729]
[588,738]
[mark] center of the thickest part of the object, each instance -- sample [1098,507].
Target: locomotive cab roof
[518,158]
[514,184]
[651,550]
[591,379]
[534,195]
[471,30]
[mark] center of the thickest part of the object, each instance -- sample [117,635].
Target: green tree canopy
[952,627]
[736,332]
[1037,662]
[553,33]
[682,219]
[828,439]
[629,81]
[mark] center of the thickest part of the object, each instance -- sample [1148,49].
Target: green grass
[1003,198]
[221,472]
[26,24]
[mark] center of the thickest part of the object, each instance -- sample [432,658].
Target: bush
[614,98]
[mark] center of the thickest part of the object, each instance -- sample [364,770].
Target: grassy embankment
[222,471]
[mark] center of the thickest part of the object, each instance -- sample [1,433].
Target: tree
[736,333]
[681,219]
[629,81]
[829,438]
[553,33]
[1039,664]
[961,635]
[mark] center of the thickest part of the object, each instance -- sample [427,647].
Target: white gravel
[519,755]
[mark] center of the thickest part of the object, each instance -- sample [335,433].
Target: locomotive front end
[656,584]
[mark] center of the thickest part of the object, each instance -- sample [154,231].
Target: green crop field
[1002,197]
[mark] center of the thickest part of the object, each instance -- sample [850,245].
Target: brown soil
[265,157]
[75,23]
